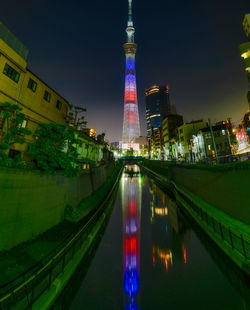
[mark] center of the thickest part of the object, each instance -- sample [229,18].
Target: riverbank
[229,233]
[32,203]
[23,262]
[224,186]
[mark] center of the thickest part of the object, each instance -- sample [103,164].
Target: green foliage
[55,149]
[75,116]
[12,133]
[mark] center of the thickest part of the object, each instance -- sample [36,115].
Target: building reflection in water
[170,232]
[131,205]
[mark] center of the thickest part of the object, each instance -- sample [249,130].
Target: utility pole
[212,135]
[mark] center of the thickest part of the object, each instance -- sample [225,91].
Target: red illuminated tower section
[131,127]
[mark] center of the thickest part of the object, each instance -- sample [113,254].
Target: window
[223,132]
[24,123]
[11,73]
[58,105]
[47,96]
[14,153]
[2,121]
[209,147]
[32,85]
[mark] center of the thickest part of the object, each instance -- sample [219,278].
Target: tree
[12,133]
[55,149]
[75,116]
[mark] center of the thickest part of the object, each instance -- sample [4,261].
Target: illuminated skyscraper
[131,127]
[157,106]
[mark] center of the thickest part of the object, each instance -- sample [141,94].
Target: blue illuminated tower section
[131,127]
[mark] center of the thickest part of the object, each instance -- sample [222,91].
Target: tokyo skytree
[131,126]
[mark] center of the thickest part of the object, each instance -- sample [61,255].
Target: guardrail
[25,294]
[235,240]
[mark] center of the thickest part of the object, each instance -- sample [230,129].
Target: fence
[23,296]
[232,238]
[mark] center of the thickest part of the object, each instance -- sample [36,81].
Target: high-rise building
[170,126]
[131,126]
[157,106]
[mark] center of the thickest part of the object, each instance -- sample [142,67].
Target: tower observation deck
[131,127]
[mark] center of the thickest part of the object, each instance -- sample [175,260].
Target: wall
[35,108]
[225,187]
[32,203]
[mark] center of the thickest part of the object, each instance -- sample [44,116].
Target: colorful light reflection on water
[131,203]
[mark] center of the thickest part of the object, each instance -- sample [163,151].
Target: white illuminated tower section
[131,127]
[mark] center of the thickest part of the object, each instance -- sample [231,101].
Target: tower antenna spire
[130,21]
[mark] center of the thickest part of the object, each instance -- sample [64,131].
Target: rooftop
[9,38]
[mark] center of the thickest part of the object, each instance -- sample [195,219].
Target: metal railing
[233,239]
[24,295]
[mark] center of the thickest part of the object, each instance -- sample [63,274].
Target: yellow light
[246,54]
[155,115]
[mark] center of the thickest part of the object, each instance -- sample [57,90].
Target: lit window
[11,73]
[47,96]
[24,123]
[209,147]
[32,85]
[223,132]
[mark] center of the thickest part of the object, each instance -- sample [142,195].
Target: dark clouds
[76,47]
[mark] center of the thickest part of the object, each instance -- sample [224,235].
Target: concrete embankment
[51,258]
[217,197]
[32,203]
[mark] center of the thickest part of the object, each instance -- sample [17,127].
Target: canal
[152,256]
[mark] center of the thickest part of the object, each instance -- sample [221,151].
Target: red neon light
[130,96]
[132,207]
[133,245]
[130,245]
[185,255]
[166,264]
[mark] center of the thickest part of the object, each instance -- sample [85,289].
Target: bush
[12,133]
[55,149]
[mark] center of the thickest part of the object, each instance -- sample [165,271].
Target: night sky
[77,48]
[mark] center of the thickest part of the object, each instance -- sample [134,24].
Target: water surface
[153,257]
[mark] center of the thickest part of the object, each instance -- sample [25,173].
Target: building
[204,147]
[131,126]
[157,106]
[185,138]
[143,146]
[170,126]
[156,144]
[244,48]
[18,85]
[91,132]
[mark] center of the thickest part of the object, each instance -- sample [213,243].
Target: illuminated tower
[131,127]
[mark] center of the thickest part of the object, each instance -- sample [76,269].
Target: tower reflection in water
[131,205]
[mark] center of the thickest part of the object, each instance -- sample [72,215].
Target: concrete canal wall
[225,187]
[31,203]
[217,198]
